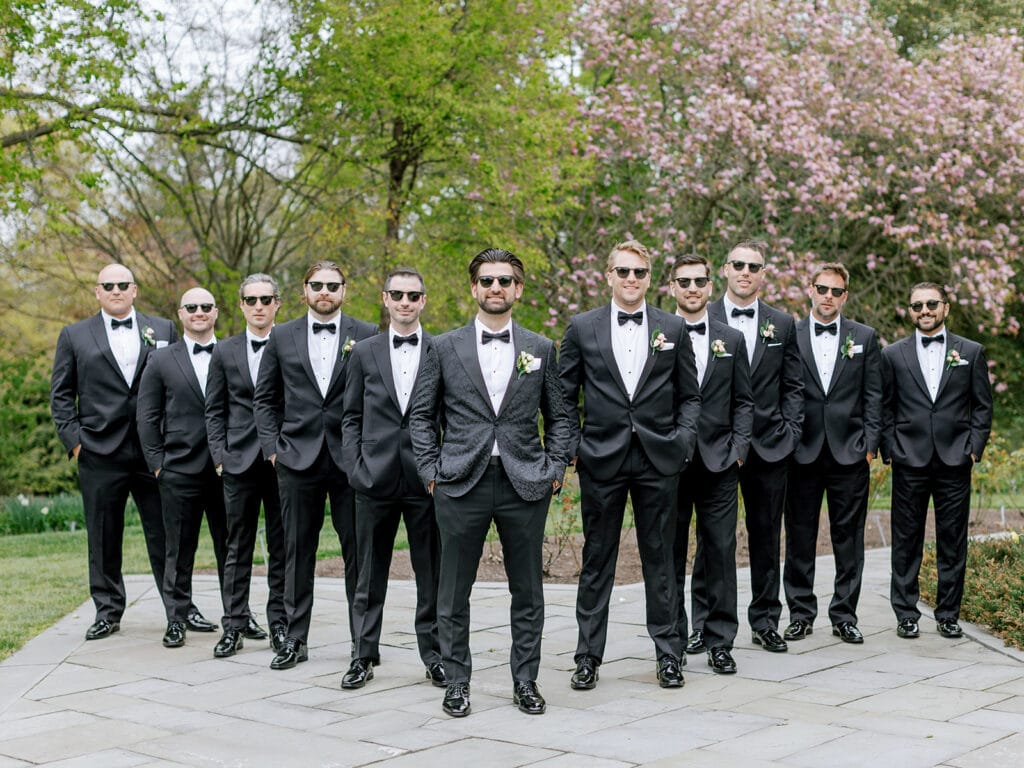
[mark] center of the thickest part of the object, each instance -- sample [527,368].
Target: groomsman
[709,483]
[377,449]
[487,382]
[936,418]
[298,403]
[842,373]
[778,387]
[172,429]
[634,365]
[249,479]
[93,389]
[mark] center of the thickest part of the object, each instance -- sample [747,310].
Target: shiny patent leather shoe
[436,675]
[950,628]
[847,632]
[174,637]
[293,652]
[798,630]
[456,700]
[907,628]
[670,673]
[526,696]
[770,640]
[278,634]
[254,631]
[102,628]
[198,623]
[359,671]
[695,642]
[586,675]
[721,661]
[229,643]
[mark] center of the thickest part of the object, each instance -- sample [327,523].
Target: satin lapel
[653,327]
[515,380]
[760,344]
[346,330]
[99,335]
[465,347]
[240,354]
[845,329]
[143,322]
[952,343]
[180,354]
[803,343]
[382,355]
[299,339]
[603,341]
[712,360]
[909,352]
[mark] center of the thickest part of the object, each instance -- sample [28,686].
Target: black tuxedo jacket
[665,406]
[451,387]
[849,415]
[376,443]
[91,403]
[293,419]
[955,426]
[777,380]
[726,400]
[172,425]
[230,424]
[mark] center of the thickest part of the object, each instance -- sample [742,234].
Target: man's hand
[219,469]
[430,487]
[555,485]
[76,450]
[273,459]
[870,456]
[156,472]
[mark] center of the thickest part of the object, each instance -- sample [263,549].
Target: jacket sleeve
[64,393]
[352,412]
[791,386]
[423,410]
[872,393]
[217,407]
[267,399]
[570,375]
[981,404]
[561,426]
[687,392]
[149,412]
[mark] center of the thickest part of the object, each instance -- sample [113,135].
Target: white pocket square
[961,361]
[857,349]
[160,344]
[534,365]
[775,344]
[667,346]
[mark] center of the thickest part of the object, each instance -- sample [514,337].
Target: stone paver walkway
[127,701]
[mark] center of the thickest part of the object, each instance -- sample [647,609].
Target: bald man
[172,428]
[96,371]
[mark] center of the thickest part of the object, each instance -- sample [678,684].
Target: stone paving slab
[128,702]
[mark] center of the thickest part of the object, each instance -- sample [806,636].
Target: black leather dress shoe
[907,628]
[436,674]
[670,673]
[847,632]
[254,631]
[770,640]
[526,696]
[721,661]
[198,623]
[174,637]
[229,642]
[278,634]
[292,652]
[359,671]
[695,642]
[950,628]
[586,674]
[798,630]
[456,700]
[102,628]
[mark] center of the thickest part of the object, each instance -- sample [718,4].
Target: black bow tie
[115,324]
[820,329]
[487,337]
[412,339]
[200,348]
[636,317]
[926,340]
[700,328]
[329,327]
[257,345]
[748,312]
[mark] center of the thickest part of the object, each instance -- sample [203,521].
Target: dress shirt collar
[728,305]
[107,318]
[418,331]
[942,331]
[479,328]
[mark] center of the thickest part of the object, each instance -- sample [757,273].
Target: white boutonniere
[659,343]
[767,332]
[718,349]
[346,347]
[849,348]
[526,363]
[149,337]
[953,359]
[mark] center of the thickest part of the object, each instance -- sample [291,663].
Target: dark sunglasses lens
[684,282]
[318,286]
[623,272]
[264,300]
[108,287]
[933,304]
[503,280]
[753,266]
[414,296]
[190,308]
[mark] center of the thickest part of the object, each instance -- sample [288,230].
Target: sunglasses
[193,308]
[753,266]
[684,282]
[250,301]
[318,286]
[639,272]
[414,296]
[504,281]
[932,304]
[824,289]
[108,287]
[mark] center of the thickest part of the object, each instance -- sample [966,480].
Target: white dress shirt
[254,358]
[323,350]
[701,344]
[932,358]
[405,362]
[497,362]
[201,361]
[746,325]
[826,350]
[629,345]
[125,343]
